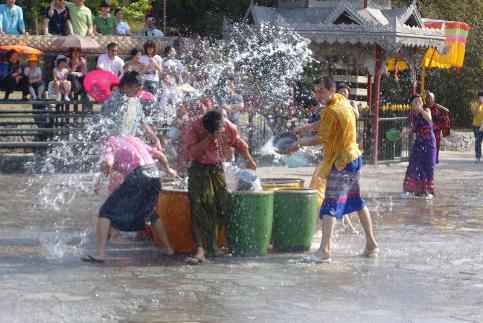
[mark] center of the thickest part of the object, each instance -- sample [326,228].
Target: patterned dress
[420,172]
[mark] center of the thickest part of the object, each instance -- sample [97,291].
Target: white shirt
[114,66]
[151,73]
[151,32]
[171,67]
[122,28]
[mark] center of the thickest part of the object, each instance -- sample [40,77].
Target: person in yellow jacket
[477,111]
[337,175]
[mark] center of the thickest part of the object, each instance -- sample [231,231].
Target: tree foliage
[453,89]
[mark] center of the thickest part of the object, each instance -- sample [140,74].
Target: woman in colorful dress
[441,120]
[419,180]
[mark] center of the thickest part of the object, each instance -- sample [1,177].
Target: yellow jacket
[477,110]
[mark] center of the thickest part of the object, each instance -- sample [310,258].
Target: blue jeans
[478,140]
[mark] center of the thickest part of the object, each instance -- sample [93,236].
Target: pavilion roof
[347,22]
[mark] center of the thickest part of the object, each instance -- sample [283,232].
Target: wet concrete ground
[430,268]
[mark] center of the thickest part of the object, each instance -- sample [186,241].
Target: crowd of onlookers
[159,70]
[64,18]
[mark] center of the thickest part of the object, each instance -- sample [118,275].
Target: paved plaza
[430,268]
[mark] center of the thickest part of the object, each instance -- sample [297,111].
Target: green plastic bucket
[250,219]
[294,219]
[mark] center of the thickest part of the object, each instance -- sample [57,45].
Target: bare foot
[350,229]
[167,251]
[324,255]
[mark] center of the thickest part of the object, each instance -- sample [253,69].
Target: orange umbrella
[22,49]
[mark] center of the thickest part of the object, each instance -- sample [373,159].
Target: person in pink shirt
[132,203]
[208,144]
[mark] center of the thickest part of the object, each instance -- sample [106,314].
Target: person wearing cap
[477,112]
[57,21]
[104,23]
[11,19]
[34,75]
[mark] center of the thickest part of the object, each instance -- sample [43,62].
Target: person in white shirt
[60,84]
[122,28]
[152,67]
[172,66]
[110,61]
[149,29]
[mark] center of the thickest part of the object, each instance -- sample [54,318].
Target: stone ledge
[458,140]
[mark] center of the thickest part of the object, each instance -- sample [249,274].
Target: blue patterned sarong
[342,195]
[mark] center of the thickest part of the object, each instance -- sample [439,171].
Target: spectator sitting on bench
[34,74]
[77,71]
[15,79]
[60,83]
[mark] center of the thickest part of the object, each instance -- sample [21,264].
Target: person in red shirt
[209,143]
[441,120]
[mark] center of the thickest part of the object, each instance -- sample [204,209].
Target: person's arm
[197,149]
[250,162]
[94,26]
[425,112]
[83,69]
[46,26]
[70,30]
[308,128]
[21,22]
[1,24]
[163,162]
[90,30]
[151,136]
[52,8]
[441,108]
[106,165]
[100,63]
[355,109]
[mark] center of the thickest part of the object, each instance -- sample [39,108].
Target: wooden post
[365,3]
[377,82]
[369,91]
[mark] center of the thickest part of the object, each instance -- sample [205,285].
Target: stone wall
[458,140]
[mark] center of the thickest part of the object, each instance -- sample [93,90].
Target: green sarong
[208,197]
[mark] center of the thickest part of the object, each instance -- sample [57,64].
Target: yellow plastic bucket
[281,183]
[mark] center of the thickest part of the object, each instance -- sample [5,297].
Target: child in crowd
[133,202]
[60,83]
[34,74]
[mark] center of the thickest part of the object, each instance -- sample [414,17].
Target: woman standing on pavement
[419,180]
[441,121]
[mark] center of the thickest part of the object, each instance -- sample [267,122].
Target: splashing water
[262,60]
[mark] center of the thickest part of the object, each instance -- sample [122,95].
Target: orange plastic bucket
[173,208]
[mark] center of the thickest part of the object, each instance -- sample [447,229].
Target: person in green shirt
[80,17]
[104,23]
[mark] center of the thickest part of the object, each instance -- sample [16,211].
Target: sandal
[89,258]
